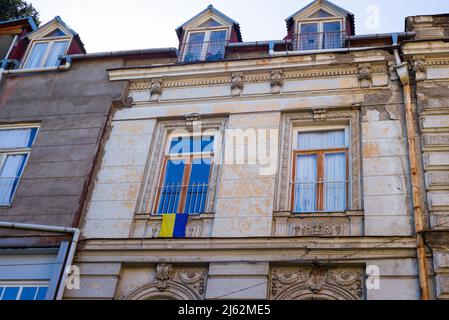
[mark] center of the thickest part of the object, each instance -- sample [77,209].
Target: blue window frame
[185,179]
[15,147]
[25,292]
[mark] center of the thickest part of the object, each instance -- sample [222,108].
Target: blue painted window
[187,170]
[23,293]
[15,147]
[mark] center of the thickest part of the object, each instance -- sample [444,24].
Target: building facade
[313,167]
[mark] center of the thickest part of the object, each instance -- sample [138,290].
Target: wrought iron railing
[177,198]
[319,196]
[202,51]
[319,40]
[7,186]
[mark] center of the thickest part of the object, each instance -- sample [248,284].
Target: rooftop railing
[178,198]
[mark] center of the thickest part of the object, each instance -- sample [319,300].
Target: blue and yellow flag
[174,226]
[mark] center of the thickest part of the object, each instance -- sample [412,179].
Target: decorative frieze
[316,282]
[172,281]
[317,229]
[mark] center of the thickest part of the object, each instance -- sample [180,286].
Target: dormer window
[49,43]
[208,45]
[320,25]
[205,36]
[320,35]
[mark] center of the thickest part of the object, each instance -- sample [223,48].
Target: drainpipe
[69,261]
[403,73]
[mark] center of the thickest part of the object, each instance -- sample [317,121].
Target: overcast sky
[109,25]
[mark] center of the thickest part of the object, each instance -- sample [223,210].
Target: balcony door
[319,35]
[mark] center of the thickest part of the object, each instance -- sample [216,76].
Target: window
[184,182]
[23,291]
[15,148]
[46,53]
[205,46]
[320,171]
[320,35]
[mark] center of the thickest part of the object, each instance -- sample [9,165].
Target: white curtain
[321,140]
[305,186]
[9,176]
[16,138]
[335,182]
[57,50]
[36,55]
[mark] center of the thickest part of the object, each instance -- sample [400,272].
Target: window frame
[206,42]
[51,42]
[155,162]
[4,153]
[21,285]
[189,161]
[319,117]
[320,29]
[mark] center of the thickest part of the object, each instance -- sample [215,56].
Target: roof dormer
[320,25]
[49,43]
[205,36]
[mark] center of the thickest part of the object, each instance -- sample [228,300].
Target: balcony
[177,198]
[202,51]
[319,41]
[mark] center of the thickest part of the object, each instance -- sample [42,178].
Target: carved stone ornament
[174,282]
[155,90]
[237,84]
[317,229]
[419,66]
[319,114]
[277,81]
[193,120]
[365,76]
[316,282]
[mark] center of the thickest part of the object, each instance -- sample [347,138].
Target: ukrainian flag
[174,226]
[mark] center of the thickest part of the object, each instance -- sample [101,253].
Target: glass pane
[17,138]
[56,33]
[321,140]
[170,192]
[10,175]
[36,55]
[11,293]
[216,46]
[189,144]
[28,293]
[57,50]
[335,182]
[198,187]
[309,37]
[1,291]
[41,293]
[332,35]
[194,47]
[210,23]
[306,184]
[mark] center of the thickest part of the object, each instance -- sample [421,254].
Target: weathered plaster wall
[71,108]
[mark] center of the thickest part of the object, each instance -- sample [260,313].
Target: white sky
[109,25]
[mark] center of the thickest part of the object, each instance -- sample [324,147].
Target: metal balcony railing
[177,198]
[202,51]
[7,186]
[319,40]
[320,196]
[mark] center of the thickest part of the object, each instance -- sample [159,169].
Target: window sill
[322,224]
[149,226]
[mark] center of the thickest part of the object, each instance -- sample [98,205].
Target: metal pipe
[403,73]
[75,238]
[12,46]
[308,52]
